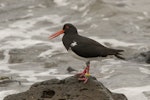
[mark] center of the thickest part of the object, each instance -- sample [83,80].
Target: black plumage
[86,47]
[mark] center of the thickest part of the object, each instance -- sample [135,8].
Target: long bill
[56,34]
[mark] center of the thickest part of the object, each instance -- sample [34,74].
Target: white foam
[27,74]
[23,24]
[134,93]
[31,7]
[7,92]
[86,4]
[46,53]
[41,5]
[74,7]
[28,15]
[31,75]
[2,5]
[6,56]
[140,17]
[3,63]
[144,70]
[62,76]
[9,32]
[48,72]
[105,19]
[4,67]
[20,27]
[145,13]
[105,68]
[94,26]
[61,2]
[19,44]
[56,46]
[137,27]
[52,18]
[30,10]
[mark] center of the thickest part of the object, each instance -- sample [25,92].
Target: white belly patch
[82,58]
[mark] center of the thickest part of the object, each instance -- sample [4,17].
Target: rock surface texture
[67,89]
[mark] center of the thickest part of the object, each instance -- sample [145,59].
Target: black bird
[84,48]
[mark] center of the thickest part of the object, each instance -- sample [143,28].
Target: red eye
[67,27]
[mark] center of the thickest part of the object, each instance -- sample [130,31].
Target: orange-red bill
[56,34]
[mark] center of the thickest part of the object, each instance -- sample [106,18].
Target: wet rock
[16,56]
[147,94]
[147,56]
[67,89]
[28,54]
[70,69]
[5,81]
[49,64]
[141,57]
[3,77]
[1,55]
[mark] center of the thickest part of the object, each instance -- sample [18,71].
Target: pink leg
[84,75]
[86,70]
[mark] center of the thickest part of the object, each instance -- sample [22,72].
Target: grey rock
[67,89]
[147,94]
[141,57]
[2,55]
[29,54]
[147,56]
[6,81]
[70,69]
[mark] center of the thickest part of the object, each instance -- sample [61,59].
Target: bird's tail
[118,54]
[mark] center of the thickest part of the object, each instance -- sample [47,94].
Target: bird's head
[67,29]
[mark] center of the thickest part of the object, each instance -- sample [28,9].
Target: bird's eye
[66,27]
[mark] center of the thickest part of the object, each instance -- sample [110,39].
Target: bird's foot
[81,74]
[84,78]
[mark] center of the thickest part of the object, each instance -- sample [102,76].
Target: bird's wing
[86,47]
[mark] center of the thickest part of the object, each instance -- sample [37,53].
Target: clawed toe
[80,74]
[85,79]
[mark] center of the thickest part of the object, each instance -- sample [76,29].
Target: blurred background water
[28,56]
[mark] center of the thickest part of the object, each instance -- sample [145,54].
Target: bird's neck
[68,39]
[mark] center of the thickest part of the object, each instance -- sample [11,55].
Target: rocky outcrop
[67,89]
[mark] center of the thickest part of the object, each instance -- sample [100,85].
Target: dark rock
[16,56]
[27,54]
[67,89]
[141,57]
[70,69]
[147,56]
[3,77]
[49,64]
[2,55]
[147,94]
[5,81]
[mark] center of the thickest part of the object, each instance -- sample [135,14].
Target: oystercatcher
[84,48]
